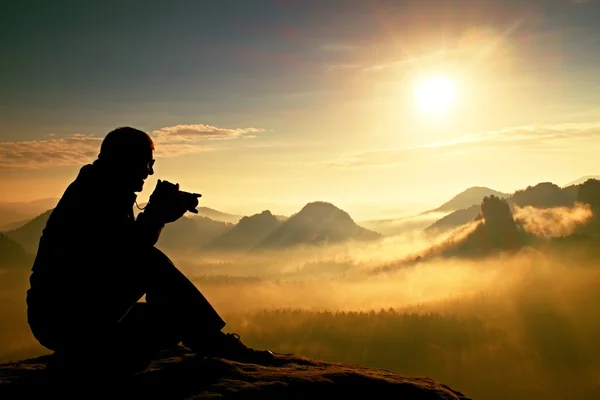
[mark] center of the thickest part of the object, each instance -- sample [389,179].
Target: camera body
[189,199]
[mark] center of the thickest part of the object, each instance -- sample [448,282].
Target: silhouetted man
[96,261]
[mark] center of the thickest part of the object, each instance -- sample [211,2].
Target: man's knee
[161,274]
[157,256]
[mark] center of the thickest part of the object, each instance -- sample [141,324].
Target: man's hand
[166,203]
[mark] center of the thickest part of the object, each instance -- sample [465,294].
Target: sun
[435,96]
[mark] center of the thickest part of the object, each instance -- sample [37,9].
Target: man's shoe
[230,347]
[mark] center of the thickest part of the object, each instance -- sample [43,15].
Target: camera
[190,199]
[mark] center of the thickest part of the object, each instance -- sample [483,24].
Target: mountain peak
[257,221]
[28,235]
[266,214]
[469,197]
[582,180]
[323,209]
[317,223]
[248,232]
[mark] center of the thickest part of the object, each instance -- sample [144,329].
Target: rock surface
[179,374]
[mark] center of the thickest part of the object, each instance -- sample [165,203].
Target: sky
[271,104]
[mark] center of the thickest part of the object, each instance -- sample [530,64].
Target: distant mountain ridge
[31,207]
[467,198]
[191,233]
[581,180]
[454,219]
[12,254]
[248,232]
[317,223]
[207,212]
[542,195]
[29,234]
[15,214]
[217,215]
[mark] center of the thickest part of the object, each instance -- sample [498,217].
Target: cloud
[368,159]
[338,47]
[462,52]
[174,141]
[372,66]
[410,60]
[529,135]
[342,67]
[72,150]
[79,149]
[201,131]
[558,137]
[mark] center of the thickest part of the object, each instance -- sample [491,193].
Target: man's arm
[113,224]
[148,228]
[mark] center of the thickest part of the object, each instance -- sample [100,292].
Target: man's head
[129,152]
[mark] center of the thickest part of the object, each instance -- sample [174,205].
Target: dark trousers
[114,325]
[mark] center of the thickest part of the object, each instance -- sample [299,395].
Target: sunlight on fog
[560,221]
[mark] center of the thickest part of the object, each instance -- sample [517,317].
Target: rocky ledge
[179,374]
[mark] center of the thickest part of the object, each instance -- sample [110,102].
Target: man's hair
[125,143]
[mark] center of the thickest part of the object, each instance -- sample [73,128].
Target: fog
[552,222]
[400,226]
[520,325]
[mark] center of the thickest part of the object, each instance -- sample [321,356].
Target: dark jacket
[86,251]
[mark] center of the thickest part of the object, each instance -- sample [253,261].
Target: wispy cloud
[79,149]
[463,51]
[338,47]
[370,66]
[559,137]
[375,67]
[368,159]
[343,67]
[54,152]
[173,141]
[201,131]
[526,136]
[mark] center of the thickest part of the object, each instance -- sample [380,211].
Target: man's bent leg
[169,291]
[182,304]
[140,335]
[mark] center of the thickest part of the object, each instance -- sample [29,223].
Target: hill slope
[10,219]
[247,233]
[581,180]
[317,223]
[216,215]
[191,232]
[542,195]
[452,220]
[178,374]
[29,234]
[12,253]
[470,197]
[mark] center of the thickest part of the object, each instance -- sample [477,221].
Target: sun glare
[435,96]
